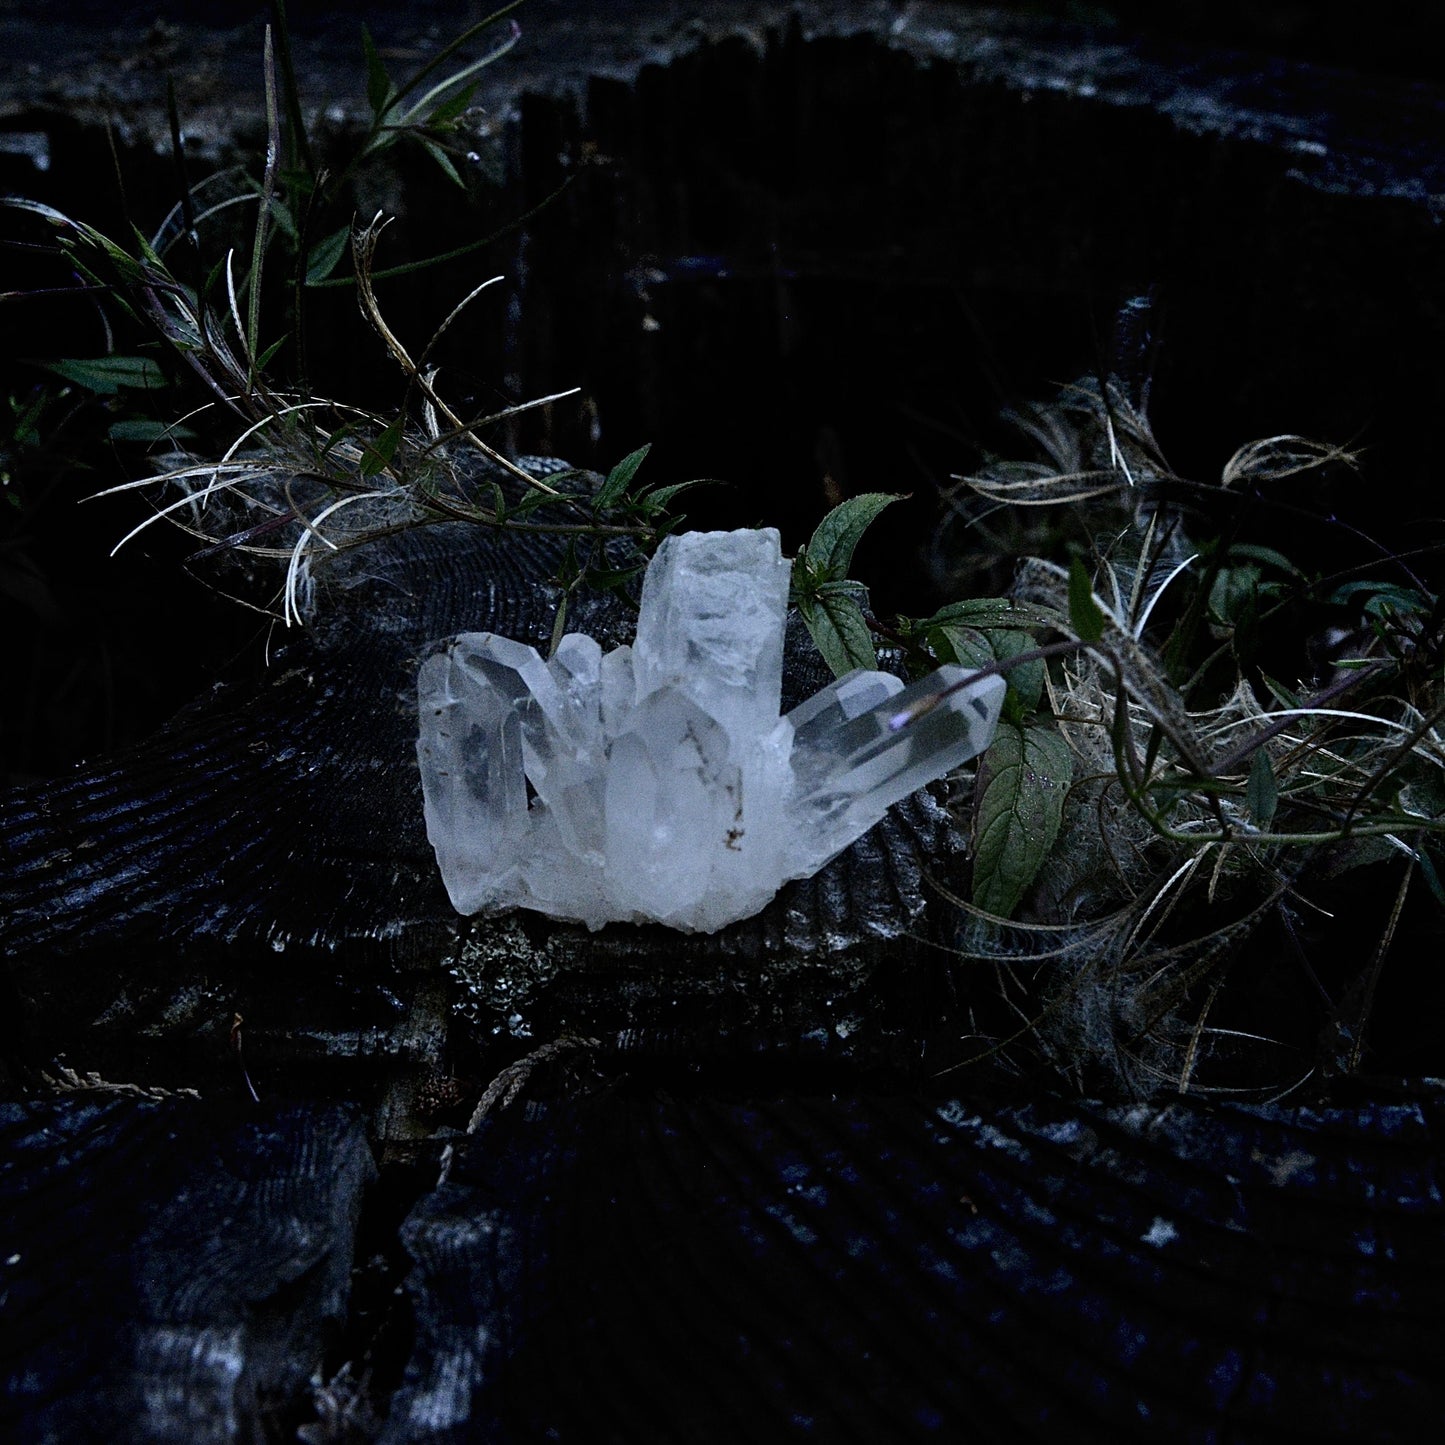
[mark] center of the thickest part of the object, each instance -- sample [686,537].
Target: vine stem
[890,633]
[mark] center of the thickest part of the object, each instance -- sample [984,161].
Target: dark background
[804,266]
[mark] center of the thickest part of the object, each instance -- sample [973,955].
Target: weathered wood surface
[170,1270]
[668,1259]
[696,1265]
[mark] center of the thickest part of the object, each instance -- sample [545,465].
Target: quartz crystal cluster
[658,781]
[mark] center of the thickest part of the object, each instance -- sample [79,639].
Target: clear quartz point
[850,763]
[657,782]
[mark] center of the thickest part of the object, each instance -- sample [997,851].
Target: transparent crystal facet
[658,782]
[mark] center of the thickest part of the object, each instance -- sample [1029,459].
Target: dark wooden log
[171,1270]
[686,1265]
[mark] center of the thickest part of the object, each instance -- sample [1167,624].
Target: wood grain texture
[688,1266]
[172,1271]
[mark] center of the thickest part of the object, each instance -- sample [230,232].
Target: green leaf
[442,159]
[1244,640]
[280,213]
[264,359]
[568,571]
[607,579]
[559,625]
[1424,795]
[1281,694]
[1405,597]
[1382,601]
[296,181]
[342,433]
[378,454]
[620,478]
[105,375]
[1234,590]
[130,269]
[657,498]
[1022,781]
[1249,552]
[830,550]
[25,426]
[379,89]
[532,499]
[1430,874]
[1085,616]
[969,647]
[497,500]
[147,251]
[141,429]
[835,621]
[1261,794]
[987,612]
[326,254]
[1383,605]
[1027,679]
[965,646]
[39,208]
[450,109]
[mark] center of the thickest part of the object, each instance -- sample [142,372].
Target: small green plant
[1154,795]
[830,603]
[285,474]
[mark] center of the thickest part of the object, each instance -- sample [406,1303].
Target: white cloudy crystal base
[657,783]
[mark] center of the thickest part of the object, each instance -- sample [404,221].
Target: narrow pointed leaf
[378,454]
[451,108]
[1431,874]
[1085,615]
[264,359]
[606,579]
[1261,794]
[325,255]
[379,90]
[443,160]
[142,429]
[106,375]
[1281,694]
[530,501]
[620,477]
[657,498]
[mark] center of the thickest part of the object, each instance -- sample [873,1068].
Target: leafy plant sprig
[304,478]
[829,602]
[1115,790]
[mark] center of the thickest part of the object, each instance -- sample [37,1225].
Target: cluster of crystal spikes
[658,782]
